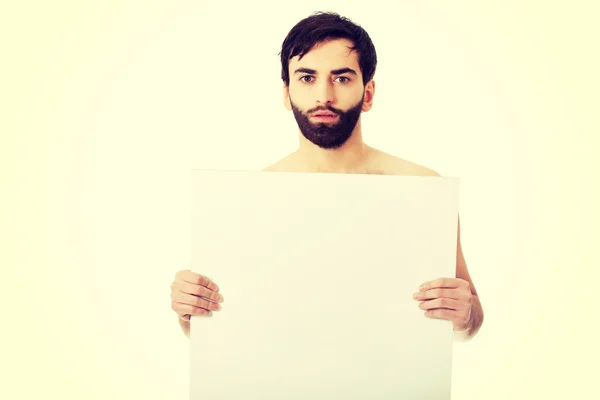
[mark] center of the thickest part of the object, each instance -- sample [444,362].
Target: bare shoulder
[389,164]
[378,162]
[287,163]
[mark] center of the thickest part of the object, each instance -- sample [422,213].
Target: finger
[197,290]
[441,313]
[438,293]
[198,302]
[187,309]
[197,279]
[440,283]
[446,303]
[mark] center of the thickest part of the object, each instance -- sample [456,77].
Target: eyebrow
[333,71]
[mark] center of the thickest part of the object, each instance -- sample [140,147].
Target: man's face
[326,93]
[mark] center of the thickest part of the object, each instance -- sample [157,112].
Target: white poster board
[318,272]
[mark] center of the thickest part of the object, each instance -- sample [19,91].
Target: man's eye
[303,79]
[345,79]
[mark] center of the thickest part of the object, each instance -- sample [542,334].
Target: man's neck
[347,158]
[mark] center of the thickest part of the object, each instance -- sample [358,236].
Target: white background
[107,106]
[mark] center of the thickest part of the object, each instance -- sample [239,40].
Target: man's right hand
[194,294]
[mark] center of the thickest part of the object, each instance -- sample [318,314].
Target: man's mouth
[325,116]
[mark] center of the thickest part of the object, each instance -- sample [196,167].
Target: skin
[451,298]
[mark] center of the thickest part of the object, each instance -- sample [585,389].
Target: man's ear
[286,98]
[369,94]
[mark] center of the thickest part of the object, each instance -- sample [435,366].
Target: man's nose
[325,92]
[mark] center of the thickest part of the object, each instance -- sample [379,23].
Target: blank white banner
[318,273]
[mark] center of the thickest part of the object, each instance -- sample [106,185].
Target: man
[328,64]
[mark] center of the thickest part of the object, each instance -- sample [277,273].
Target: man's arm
[476,319]
[476,314]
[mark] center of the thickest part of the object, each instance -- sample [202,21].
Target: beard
[324,134]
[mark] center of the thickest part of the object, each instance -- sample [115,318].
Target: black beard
[323,134]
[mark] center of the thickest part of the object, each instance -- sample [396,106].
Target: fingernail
[221,298]
[416,296]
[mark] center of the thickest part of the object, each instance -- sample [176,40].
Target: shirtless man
[328,64]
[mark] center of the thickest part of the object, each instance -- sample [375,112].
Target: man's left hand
[447,298]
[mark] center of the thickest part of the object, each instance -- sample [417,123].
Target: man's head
[328,64]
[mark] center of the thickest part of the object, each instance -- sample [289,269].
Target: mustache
[326,108]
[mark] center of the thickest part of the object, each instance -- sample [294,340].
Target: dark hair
[324,26]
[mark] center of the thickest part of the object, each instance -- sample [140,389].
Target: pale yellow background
[106,106]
